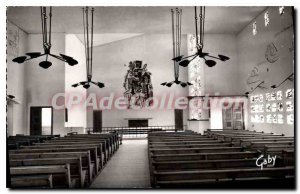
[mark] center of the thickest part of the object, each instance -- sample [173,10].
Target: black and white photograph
[150,97]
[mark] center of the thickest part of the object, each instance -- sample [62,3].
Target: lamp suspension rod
[203,21]
[45,23]
[173,39]
[84,37]
[196,18]
[43,28]
[87,32]
[176,42]
[177,31]
[180,18]
[92,35]
[50,26]
[200,26]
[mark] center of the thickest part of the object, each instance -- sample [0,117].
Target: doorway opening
[41,120]
[233,117]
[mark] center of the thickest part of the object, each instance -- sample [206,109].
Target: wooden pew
[203,164]
[109,141]
[35,181]
[195,150]
[276,149]
[92,149]
[288,156]
[105,150]
[114,137]
[100,155]
[191,145]
[161,142]
[204,156]
[76,169]
[84,155]
[247,142]
[60,173]
[239,137]
[198,177]
[261,144]
[105,146]
[180,138]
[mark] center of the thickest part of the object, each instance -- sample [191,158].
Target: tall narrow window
[267,19]
[254,29]
[281,10]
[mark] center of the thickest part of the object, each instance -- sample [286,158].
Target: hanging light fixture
[88,45]
[46,45]
[176,37]
[184,62]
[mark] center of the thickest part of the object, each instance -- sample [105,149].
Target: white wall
[251,52]
[75,74]
[15,80]
[43,84]
[223,78]
[109,67]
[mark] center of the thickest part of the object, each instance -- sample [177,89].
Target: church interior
[150,97]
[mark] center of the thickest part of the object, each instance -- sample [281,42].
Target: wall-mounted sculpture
[138,85]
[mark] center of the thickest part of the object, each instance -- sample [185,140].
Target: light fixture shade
[11,96]
[183,84]
[19,59]
[169,84]
[70,60]
[45,64]
[100,85]
[210,63]
[223,57]
[86,86]
[177,59]
[75,85]
[34,54]
[184,63]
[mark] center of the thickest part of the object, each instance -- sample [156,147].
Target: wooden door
[178,119]
[238,120]
[97,121]
[233,117]
[35,121]
[227,118]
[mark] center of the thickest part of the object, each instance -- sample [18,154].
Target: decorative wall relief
[281,108]
[12,39]
[196,77]
[289,93]
[271,53]
[138,86]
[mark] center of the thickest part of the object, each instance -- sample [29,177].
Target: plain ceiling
[135,20]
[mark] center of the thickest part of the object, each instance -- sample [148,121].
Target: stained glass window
[267,19]
[254,29]
[281,10]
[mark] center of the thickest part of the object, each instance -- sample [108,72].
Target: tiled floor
[128,168]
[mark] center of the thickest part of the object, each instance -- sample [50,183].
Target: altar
[138,122]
